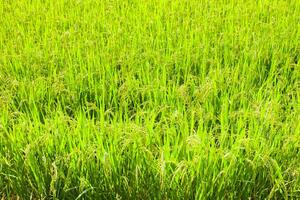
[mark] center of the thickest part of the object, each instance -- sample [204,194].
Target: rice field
[149,99]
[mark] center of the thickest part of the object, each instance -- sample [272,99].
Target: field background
[149,99]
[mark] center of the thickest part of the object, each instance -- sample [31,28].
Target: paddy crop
[149,99]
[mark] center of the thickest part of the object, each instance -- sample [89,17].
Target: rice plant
[149,99]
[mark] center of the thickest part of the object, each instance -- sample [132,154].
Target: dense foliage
[149,99]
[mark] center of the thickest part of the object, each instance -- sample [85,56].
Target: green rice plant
[153,99]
